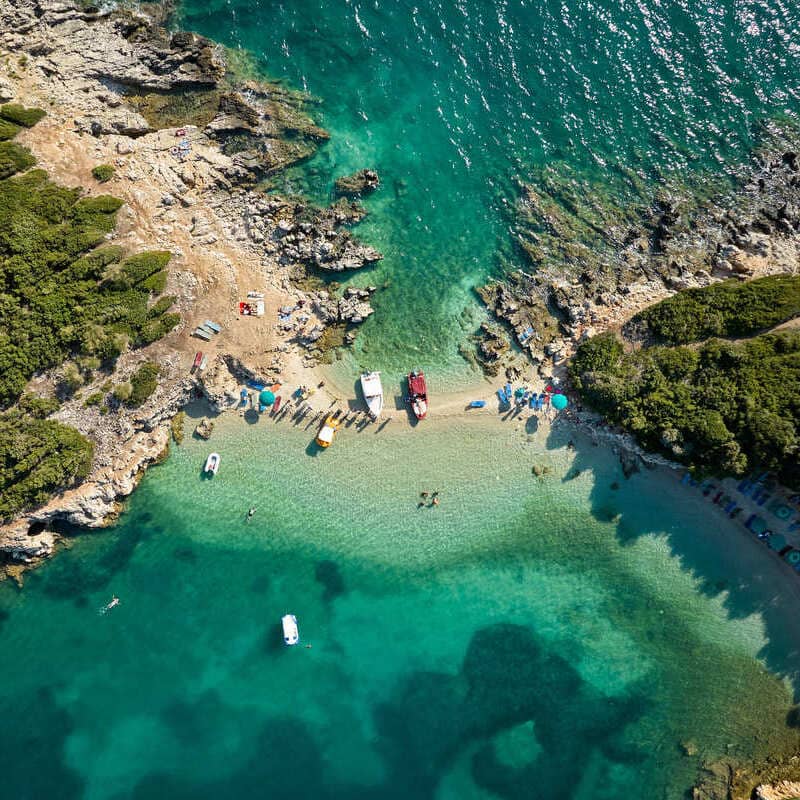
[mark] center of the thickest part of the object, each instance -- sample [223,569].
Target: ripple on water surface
[521,632]
[451,100]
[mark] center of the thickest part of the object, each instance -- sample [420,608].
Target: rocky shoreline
[595,262]
[189,140]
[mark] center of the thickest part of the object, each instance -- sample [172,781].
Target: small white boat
[212,464]
[290,633]
[373,392]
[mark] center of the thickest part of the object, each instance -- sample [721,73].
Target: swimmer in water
[114,602]
[250,513]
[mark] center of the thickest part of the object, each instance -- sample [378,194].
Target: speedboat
[418,393]
[327,433]
[373,393]
[212,464]
[290,633]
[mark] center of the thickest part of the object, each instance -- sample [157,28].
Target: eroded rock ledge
[122,81]
[594,265]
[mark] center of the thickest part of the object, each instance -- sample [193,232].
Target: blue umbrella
[559,402]
[266,397]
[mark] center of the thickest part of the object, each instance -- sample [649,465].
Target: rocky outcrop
[219,386]
[352,308]
[263,128]
[782,790]
[492,347]
[126,59]
[204,428]
[119,49]
[177,119]
[599,257]
[359,183]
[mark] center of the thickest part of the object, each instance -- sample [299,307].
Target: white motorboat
[212,464]
[373,392]
[290,633]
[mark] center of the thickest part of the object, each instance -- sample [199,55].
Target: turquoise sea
[579,636]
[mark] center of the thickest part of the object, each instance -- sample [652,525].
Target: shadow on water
[32,764]
[73,579]
[285,762]
[273,639]
[329,576]
[645,513]
[508,682]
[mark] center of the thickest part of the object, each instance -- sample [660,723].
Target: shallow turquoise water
[555,638]
[519,635]
[451,100]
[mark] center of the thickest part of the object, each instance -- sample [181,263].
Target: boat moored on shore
[418,393]
[372,390]
[327,432]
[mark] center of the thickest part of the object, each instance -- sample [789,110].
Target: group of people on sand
[434,496]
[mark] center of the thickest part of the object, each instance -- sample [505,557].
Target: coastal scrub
[730,308]
[723,408]
[63,298]
[39,456]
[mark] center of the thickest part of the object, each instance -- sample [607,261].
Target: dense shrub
[56,300]
[730,308]
[140,267]
[103,173]
[161,305]
[723,408]
[38,457]
[143,383]
[8,130]
[155,329]
[27,117]
[14,158]
[122,391]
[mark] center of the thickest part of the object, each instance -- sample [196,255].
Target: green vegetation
[14,158]
[59,297]
[176,425]
[8,130]
[63,298]
[26,117]
[122,391]
[723,408]
[38,457]
[143,383]
[730,308]
[103,173]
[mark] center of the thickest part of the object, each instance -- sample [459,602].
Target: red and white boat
[198,357]
[418,393]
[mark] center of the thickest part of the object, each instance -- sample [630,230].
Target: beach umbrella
[266,397]
[559,402]
[777,541]
[519,392]
[793,556]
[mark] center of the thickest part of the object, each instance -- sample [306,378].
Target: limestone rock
[204,428]
[362,182]
[782,790]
